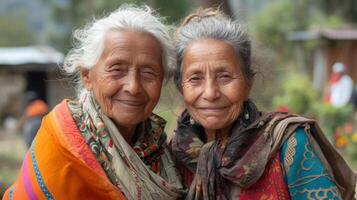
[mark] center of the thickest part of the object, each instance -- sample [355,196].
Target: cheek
[103,100]
[190,94]
[188,97]
[236,92]
[104,90]
[153,91]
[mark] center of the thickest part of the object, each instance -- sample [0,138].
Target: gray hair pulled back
[89,41]
[213,24]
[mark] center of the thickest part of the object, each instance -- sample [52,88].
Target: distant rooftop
[330,34]
[30,55]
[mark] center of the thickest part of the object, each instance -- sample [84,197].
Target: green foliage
[79,12]
[175,10]
[271,25]
[332,117]
[274,22]
[345,9]
[270,29]
[300,98]
[105,7]
[14,30]
[297,94]
[320,20]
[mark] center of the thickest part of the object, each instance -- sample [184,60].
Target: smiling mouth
[131,103]
[212,109]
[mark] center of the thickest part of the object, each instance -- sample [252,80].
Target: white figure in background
[341,91]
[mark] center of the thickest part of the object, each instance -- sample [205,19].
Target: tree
[271,26]
[77,12]
[346,9]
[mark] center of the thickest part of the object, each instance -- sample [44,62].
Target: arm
[305,174]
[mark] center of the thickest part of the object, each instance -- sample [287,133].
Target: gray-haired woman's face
[128,77]
[213,84]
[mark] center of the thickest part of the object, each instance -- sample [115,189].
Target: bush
[297,95]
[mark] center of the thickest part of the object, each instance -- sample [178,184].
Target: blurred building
[327,46]
[32,68]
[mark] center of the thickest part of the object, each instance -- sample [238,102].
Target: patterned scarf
[217,165]
[144,171]
[255,138]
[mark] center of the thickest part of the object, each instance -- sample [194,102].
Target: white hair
[89,41]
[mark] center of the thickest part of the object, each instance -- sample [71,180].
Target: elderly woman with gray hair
[107,144]
[225,148]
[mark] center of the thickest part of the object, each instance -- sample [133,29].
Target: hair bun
[202,13]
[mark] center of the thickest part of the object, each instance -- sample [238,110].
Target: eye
[149,73]
[195,79]
[224,77]
[118,69]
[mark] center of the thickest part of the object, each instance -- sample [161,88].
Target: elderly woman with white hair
[107,144]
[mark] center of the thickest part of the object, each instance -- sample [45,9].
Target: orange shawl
[59,164]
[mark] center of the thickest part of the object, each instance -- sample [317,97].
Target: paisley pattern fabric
[144,171]
[96,137]
[271,184]
[306,176]
[150,135]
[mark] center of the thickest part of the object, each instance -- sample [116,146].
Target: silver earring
[246,115]
[192,121]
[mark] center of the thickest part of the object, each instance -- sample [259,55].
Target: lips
[130,103]
[211,109]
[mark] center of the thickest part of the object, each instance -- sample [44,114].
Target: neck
[218,134]
[127,133]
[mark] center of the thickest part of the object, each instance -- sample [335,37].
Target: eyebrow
[116,57]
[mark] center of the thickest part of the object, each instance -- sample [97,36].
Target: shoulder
[295,142]
[295,148]
[299,135]
[304,171]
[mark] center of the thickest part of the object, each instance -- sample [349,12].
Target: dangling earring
[192,121]
[246,111]
[246,115]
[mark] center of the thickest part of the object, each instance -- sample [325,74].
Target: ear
[85,78]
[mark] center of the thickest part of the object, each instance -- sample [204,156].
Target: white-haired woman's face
[213,83]
[128,77]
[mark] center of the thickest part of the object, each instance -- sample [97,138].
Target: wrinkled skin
[127,79]
[213,85]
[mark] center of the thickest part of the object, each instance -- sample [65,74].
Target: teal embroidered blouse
[304,173]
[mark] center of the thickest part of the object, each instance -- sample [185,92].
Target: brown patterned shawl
[252,143]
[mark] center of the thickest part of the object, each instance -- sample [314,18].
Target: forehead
[210,51]
[131,42]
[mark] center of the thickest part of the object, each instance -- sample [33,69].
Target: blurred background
[304,55]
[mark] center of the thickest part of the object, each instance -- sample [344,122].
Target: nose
[211,90]
[133,83]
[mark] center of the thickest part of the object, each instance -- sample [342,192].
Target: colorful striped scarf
[59,164]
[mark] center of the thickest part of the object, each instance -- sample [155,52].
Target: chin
[128,120]
[213,125]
